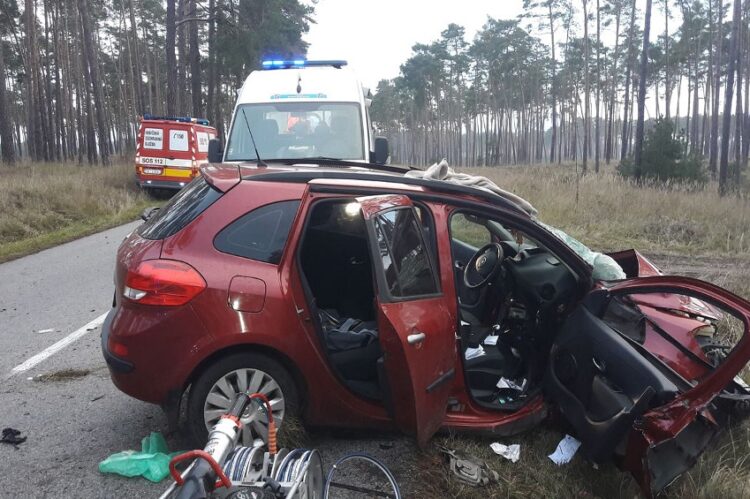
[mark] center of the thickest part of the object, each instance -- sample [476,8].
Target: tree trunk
[554,83]
[643,73]
[169,44]
[195,64]
[727,118]
[587,89]
[598,88]
[7,152]
[139,92]
[628,79]
[714,147]
[93,69]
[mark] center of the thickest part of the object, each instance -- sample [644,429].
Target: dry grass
[43,205]
[609,213]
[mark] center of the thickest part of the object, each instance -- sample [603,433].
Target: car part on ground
[469,469]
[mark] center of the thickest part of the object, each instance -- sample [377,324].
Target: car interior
[513,295]
[336,265]
[511,305]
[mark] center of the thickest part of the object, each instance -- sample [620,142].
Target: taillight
[163,282]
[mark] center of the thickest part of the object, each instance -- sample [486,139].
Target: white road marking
[53,349]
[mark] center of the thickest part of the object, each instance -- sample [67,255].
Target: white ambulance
[301,109]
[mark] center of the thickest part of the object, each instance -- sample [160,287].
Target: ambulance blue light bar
[300,63]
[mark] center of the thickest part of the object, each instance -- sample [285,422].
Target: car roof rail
[440,186]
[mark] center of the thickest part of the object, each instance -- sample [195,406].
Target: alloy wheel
[254,420]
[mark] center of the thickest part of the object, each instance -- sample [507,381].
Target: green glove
[152,462]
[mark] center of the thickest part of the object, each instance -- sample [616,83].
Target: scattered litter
[473,353]
[12,437]
[469,469]
[565,451]
[30,378]
[50,330]
[386,445]
[510,452]
[509,384]
[152,462]
[97,398]
[491,340]
[62,375]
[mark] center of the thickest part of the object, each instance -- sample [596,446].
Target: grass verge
[42,205]
[608,212]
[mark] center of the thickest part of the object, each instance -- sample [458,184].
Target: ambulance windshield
[287,130]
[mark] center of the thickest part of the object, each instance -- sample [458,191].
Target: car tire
[229,373]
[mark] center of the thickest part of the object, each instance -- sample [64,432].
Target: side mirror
[215,151]
[149,212]
[381,150]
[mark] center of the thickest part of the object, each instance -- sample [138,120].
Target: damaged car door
[617,373]
[416,325]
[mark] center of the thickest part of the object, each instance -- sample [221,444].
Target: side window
[153,138]
[468,231]
[406,263]
[178,140]
[202,139]
[260,234]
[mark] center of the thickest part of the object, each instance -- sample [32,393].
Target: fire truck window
[178,140]
[202,141]
[153,138]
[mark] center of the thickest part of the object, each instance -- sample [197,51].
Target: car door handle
[416,338]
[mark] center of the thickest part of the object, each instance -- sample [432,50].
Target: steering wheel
[483,266]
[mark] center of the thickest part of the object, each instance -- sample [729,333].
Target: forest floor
[42,205]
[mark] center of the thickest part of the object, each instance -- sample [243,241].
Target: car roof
[366,178]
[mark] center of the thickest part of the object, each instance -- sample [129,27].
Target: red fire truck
[170,150]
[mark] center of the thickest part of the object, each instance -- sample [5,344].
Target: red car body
[155,352]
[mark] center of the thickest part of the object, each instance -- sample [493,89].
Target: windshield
[297,130]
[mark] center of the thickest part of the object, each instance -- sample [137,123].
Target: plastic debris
[152,462]
[473,353]
[491,340]
[469,469]
[49,330]
[565,450]
[509,384]
[13,437]
[510,452]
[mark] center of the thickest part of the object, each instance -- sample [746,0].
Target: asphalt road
[73,424]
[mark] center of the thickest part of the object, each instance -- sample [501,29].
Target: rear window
[178,140]
[153,138]
[182,209]
[260,234]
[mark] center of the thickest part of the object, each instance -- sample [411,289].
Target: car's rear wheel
[215,389]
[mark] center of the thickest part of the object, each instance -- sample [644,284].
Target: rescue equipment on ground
[223,469]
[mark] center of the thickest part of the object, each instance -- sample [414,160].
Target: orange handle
[271,423]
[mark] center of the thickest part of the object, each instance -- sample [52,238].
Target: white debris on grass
[565,450]
[510,452]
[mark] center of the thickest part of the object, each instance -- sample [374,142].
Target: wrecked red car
[357,296]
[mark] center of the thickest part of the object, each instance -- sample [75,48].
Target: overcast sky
[376,37]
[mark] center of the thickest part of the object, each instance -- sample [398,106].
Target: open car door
[613,375]
[416,327]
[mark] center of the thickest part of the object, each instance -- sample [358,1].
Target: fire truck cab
[170,150]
